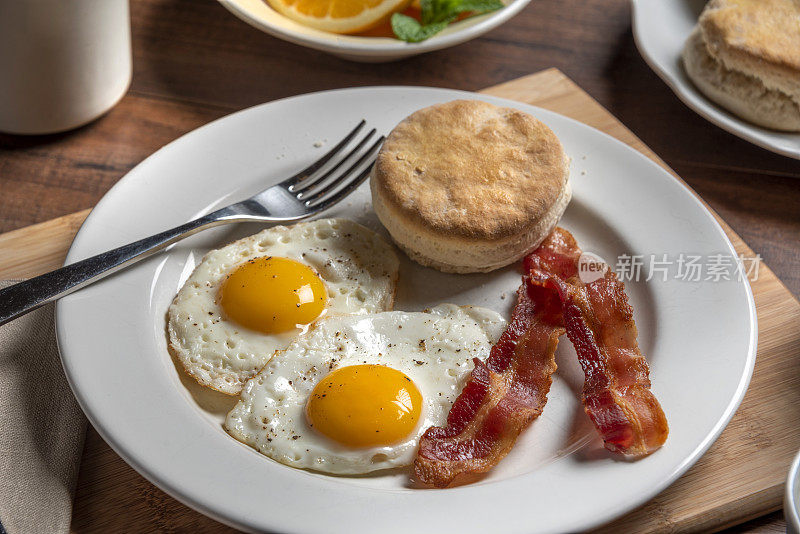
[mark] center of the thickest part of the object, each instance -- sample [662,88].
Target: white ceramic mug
[63,63]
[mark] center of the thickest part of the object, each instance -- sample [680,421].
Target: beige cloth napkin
[41,428]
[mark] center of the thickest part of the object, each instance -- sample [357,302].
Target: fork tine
[350,186]
[336,182]
[314,167]
[304,188]
[342,193]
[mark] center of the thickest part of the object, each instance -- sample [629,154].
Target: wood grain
[720,490]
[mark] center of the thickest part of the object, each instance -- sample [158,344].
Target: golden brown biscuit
[757,37]
[467,186]
[744,95]
[745,56]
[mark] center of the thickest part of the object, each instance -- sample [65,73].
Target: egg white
[434,349]
[357,267]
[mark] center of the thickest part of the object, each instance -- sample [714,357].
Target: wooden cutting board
[739,478]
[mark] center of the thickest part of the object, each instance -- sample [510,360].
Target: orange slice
[339,16]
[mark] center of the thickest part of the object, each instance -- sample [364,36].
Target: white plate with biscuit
[661,31]
[699,336]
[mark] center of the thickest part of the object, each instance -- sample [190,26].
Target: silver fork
[312,190]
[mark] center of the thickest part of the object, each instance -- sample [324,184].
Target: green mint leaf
[436,15]
[434,11]
[410,30]
[479,6]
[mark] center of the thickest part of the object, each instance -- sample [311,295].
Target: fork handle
[26,296]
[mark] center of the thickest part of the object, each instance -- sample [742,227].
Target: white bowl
[260,15]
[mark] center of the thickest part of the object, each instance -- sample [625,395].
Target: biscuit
[467,186]
[745,56]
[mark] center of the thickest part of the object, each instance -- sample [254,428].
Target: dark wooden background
[195,62]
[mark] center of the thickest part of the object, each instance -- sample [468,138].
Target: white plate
[700,336]
[791,499]
[660,28]
[260,15]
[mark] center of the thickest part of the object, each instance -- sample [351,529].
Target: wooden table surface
[194,62]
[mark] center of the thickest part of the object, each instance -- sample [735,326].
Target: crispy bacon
[616,390]
[504,394]
[509,390]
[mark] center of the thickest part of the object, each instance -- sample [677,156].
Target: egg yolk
[273,295]
[365,406]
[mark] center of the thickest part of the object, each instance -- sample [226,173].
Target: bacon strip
[616,392]
[509,390]
[504,394]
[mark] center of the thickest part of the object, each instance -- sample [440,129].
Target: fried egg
[254,296]
[354,394]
